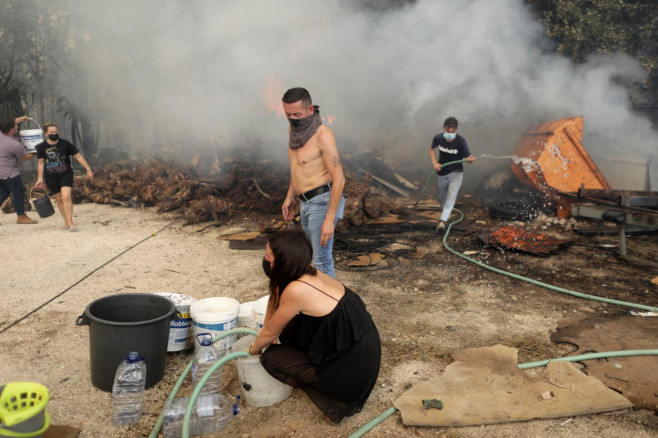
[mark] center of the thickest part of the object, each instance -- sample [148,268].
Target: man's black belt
[306,196]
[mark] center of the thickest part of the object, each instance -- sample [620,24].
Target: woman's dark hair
[293,255]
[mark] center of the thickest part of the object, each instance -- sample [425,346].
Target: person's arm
[327,144]
[268,312]
[28,157]
[40,166]
[435,161]
[289,306]
[84,163]
[466,152]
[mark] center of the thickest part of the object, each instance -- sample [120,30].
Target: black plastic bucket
[119,324]
[43,205]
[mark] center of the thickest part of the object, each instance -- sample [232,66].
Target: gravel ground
[425,309]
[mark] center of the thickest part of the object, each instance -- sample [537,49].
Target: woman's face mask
[53,137]
[267,268]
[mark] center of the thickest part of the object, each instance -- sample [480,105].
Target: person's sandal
[441,226]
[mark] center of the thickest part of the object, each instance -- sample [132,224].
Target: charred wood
[235,185]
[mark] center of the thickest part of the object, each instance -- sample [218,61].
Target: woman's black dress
[335,358]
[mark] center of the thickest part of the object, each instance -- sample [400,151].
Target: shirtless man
[316,176]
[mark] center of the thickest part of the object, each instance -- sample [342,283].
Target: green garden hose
[652,352]
[429,179]
[390,411]
[535,282]
[588,356]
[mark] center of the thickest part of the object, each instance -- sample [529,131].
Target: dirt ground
[426,302]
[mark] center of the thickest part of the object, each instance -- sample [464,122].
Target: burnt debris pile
[211,189]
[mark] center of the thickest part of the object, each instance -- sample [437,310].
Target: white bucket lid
[215,309]
[181,301]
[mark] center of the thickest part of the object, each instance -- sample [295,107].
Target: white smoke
[198,70]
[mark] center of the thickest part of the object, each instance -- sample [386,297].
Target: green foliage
[586,27]
[30,32]
[35,41]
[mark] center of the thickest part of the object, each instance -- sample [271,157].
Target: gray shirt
[11,151]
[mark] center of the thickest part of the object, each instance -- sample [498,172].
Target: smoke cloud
[168,73]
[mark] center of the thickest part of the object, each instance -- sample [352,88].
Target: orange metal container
[551,158]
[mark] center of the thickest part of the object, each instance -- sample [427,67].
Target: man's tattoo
[336,161]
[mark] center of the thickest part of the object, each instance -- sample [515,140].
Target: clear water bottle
[128,390]
[211,413]
[204,359]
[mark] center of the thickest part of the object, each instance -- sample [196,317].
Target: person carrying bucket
[330,347]
[55,169]
[11,152]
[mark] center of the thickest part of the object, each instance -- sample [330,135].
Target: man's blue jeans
[312,214]
[448,190]
[13,186]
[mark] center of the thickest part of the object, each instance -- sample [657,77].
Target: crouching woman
[329,345]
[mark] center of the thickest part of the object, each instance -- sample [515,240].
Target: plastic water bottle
[211,413]
[204,359]
[128,390]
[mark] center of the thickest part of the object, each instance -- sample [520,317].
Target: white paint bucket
[258,387]
[215,315]
[179,328]
[31,137]
[259,309]
[246,317]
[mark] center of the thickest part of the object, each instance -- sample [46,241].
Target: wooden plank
[250,235]
[385,220]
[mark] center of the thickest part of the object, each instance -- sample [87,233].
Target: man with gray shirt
[11,152]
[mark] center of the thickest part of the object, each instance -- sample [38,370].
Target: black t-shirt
[450,151]
[57,156]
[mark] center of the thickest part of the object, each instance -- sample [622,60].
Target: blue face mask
[450,137]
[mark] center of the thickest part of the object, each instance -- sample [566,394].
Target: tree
[586,27]
[34,40]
